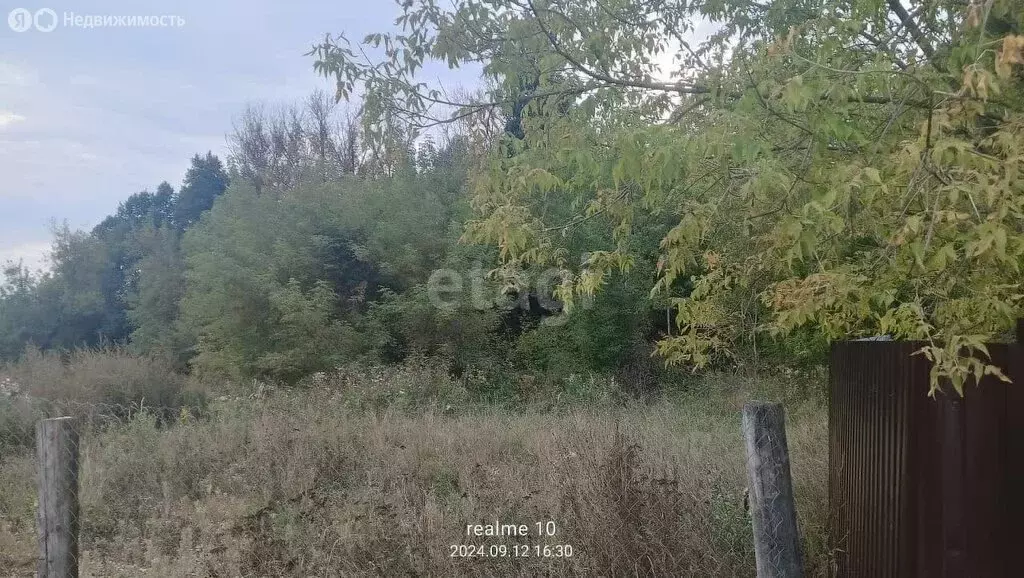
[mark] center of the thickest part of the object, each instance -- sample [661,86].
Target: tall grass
[376,473]
[96,385]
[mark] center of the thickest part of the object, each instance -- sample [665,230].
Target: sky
[89,116]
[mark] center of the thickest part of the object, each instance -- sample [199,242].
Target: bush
[415,326]
[18,416]
[107,383]
[417,382]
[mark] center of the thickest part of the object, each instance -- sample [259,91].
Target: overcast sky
[90,116]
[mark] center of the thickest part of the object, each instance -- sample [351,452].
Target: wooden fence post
[776,538]
[57,459]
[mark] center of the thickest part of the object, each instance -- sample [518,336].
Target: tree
[204,182]
[21,311]
[81,298]
[852,166]
[280,282]
[117,237]
[154,307]
[127,262]
[287,146]
[276,281]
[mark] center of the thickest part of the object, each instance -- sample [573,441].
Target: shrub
[415,326]
[417,382]
[107,383]
[18,416]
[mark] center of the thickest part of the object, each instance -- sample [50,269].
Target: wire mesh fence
[773,508]
[58,519]
[47,459]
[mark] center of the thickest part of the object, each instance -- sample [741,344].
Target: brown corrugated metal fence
[921,486]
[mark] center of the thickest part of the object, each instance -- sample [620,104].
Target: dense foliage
[808,170]
[849,166]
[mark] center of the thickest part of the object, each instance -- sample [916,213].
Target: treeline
[316,246]
[111,284]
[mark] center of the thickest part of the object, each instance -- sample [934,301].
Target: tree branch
[915,32]
[680,88]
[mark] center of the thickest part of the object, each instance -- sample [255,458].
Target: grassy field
[378,472]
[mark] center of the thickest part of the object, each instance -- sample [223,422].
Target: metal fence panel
[921,486]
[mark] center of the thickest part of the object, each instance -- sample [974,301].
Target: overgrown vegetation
[379,471]
[335,348]
[847,166]
[95,386]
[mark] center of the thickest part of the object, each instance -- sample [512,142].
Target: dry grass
[312,483]
[98,384]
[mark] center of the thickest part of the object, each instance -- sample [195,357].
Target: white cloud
[7,118]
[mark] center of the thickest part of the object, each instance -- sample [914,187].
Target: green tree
[851,166]
[22,311]
[126,262]
[154,306]
[281,283]
[205,180]
[272,278]
[138,210]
